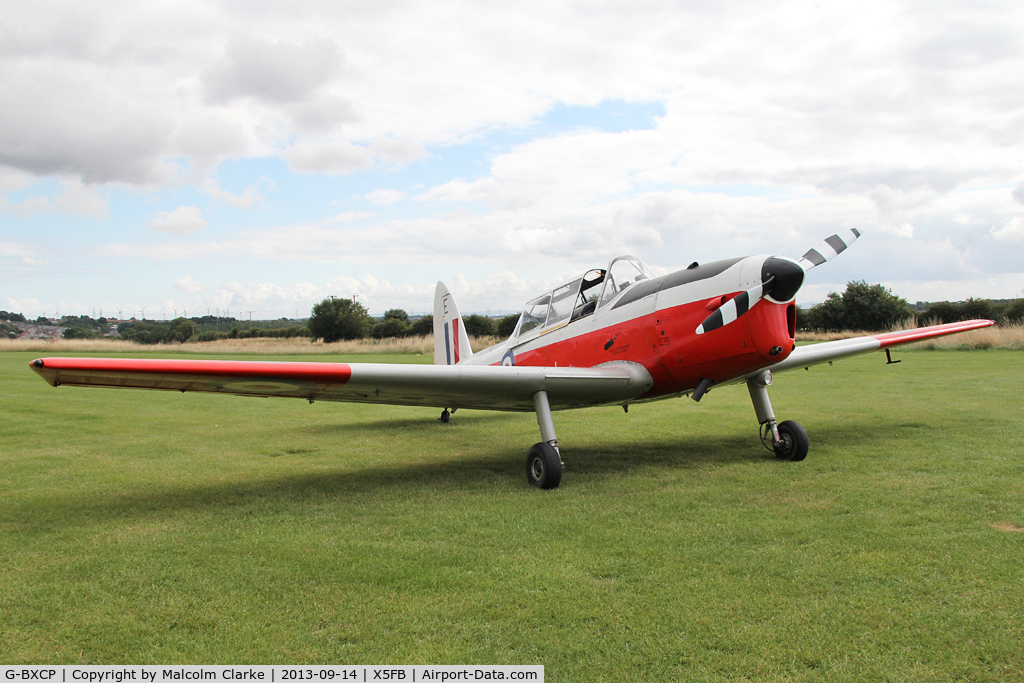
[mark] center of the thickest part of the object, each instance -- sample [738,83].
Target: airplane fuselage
[653,323]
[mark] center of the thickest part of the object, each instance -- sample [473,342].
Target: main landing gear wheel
[543,466]
[793,441]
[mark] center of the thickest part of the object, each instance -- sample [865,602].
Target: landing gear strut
[544,462]
[788,439]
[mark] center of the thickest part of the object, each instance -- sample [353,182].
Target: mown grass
[151,527]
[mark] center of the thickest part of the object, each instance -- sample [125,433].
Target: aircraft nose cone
[788,278]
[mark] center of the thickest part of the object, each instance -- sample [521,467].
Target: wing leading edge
[813,354]
[444,386]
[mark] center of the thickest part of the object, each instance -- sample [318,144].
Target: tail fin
[451,343]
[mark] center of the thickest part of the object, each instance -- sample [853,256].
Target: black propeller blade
[781,278]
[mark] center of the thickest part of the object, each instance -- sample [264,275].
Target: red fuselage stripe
[664,342]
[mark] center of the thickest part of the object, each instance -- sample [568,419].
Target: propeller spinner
[781,278]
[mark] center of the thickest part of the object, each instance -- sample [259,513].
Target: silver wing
[441,386]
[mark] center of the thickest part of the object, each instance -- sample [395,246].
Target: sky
[252,158]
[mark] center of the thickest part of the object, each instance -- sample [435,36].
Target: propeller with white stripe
[780,280]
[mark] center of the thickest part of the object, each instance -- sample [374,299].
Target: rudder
[451,343]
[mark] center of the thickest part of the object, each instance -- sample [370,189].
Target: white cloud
[385,196]
[339,156]
[29,261]
[81,201]
[29,307]
[780,125]
[798,94]
[75,200]
[189,285]
[335,157]
[251,196]
[12,249]
[397,152]
[183,220]
[276,71]
[26,207]
[323,114]
[349,216]
[904,230]
[1011,230]
[208,138]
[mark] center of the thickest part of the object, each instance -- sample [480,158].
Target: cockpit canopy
[582,296]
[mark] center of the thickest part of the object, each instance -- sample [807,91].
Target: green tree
[478,325]
[79,333]
[396,314]
[829,315]
[861,307]
[974,309]
[1014,312]
[335,319]
[389,328]
[143,333]
[507,325]
[873,307]
[181,330]
[943,312]
[422,326]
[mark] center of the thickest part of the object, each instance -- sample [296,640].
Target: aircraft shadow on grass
[455,472]
[362,425]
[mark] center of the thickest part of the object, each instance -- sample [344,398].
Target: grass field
[150,527]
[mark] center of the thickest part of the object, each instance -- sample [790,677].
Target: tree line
[861,307]
[335,319]
[864,307]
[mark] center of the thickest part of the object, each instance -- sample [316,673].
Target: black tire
[794,444]
[445,416]
[543,466]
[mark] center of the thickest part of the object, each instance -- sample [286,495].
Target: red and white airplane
[615,336]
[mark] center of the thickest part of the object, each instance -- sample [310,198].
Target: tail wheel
[543,466]
[793,441]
